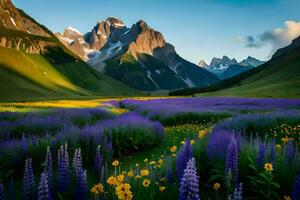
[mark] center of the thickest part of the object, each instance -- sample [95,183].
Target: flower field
[178,148]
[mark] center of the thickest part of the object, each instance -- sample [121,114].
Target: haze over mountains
[138,56]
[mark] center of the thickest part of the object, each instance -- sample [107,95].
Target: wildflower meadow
[173,148]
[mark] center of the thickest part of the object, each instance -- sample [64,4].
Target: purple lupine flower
[272,152]
[81,186]
[261,154]
[2,194]
[184,155]
[98,160]
[63,169]
[290,151]
[11,189]
[237,194]
[77,163]
[231,163]
[189,185]
[43,190]
[28,181]
[48,170]
[296,189]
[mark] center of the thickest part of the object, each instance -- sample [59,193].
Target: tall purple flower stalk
[2,194]
[77,163]
[231,163]
[48,170]
[189,185]
[81,186]
[43,190]
[184,155]
[28,181]
[237,194]
[261,154]
[98,160]
[63,169]
[296,189]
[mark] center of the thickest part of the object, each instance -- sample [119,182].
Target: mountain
[202,64]
[34,64]
[295,44]
[225,67]
[140,57]
[279,77]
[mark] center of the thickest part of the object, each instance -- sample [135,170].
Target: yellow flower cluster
[123,191]
[144,172]
[217,186]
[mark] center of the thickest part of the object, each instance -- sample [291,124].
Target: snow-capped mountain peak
[73,30]
[202,64]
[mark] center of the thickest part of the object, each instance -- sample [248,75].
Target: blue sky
[199,29]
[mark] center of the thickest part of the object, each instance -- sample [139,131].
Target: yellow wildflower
[115,163]
[162,188]
[98,189]
[123,191]
[120,178]
[144,172]
[152,163]
[137,164]
[217,186]
[278,146]
[146,183]
[130,173]
[268,167]
[192,142]
[112,180]
[160,161]
[201,134]
[173,149]
[182,142]
[146,160]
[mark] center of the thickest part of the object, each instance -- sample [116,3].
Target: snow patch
[74,30]
[149,76]
[68,40]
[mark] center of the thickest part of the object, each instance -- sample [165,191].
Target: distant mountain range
[226,68]
[138,56]
[278,77]
[34,64]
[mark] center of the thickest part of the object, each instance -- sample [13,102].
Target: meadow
[171,148]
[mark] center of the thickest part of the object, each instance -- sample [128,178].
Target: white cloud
[277,38]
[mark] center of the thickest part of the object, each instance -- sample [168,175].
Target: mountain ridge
[143,54]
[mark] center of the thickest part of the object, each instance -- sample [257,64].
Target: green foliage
[191,117]
[263,183]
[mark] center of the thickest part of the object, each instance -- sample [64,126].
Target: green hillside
[30,77]
[280,77]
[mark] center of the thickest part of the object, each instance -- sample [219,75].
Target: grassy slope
[28,77]
[279,78]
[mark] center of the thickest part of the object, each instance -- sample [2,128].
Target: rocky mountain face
[138,56]
[226,68]
[21,32]
[295,44]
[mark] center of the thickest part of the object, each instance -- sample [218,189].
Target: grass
[174,136]
[25,77]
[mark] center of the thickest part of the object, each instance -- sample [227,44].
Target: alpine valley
[138,56]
